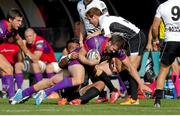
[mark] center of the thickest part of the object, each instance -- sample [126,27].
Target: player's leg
[102,72]
[164,70]
[43,84]
[77,77]
[136,48]
[19,67]
[7,76]
[118,68]
[77,73]
[88,93]
[52,69]
[169,54]
[175,76]
[37,68]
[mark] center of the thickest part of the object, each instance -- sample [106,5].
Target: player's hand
[81,43]
[156,45]
[149,47]
[144,88]
[74,55]
[20,42]
[95,61]
[93,34]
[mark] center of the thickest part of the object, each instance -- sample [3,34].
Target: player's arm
[64,61]
[66,58]
[81,33]
[156,24]
[150,37]
[34,56]
[105,31]
[84,60]
[20,56]
[98,32]
[155,28]
[65,52]
[133,72]
[104,8]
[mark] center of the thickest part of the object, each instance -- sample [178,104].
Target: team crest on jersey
[39,44]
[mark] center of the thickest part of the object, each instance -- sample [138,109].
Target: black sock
[89,94]
[103,93]
[133,88]
[106,79]
[158,94]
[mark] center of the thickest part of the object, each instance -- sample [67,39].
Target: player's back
[170,13]
[118,24]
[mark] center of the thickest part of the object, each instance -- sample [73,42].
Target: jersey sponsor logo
[173,27]
[7,50]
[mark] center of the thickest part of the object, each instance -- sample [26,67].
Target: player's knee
[100,85]
[9,70]
[19,66]
[49,68]
[78,81]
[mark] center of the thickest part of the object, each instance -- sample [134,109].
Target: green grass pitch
[50,107]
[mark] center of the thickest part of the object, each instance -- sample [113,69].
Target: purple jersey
[100,42]
[4,33]
[96,42]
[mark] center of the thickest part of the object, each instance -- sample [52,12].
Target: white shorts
[42,65]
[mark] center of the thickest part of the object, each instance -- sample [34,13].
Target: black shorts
[170,52]
[137,44]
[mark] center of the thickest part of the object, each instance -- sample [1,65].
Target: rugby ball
[93,54]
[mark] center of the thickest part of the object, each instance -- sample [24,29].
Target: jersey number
[175,12]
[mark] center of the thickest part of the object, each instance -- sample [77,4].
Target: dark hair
[13,12]
[72,41]
[117,40]
[93,11]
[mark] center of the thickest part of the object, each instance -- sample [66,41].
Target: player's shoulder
[80,3]
[39,39]
[167,3]
[102,3]
[99,3]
